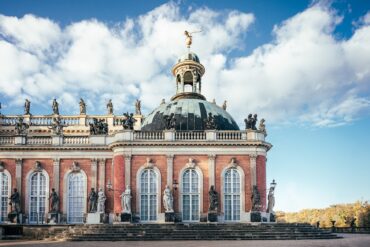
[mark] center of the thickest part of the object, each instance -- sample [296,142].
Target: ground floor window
[232,195]
[148,195]
[37,198]
[4,195]
[190,195]
[76,197]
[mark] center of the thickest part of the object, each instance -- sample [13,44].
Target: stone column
[211,169]
[18,175]
[94,171]
[170,169]
[102,174]
[56,172]
[253,164]
[127,169]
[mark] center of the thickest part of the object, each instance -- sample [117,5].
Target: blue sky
[301,65]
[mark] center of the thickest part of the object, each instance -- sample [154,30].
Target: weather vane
[189,38]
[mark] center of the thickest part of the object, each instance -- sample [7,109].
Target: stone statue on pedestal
[93,198]
[98,127]
[256,199]
[101,201]
[213,199]
[21,127]
[170,121]
[27,106]
[110,107]
[138,107]
[224,105]
[126,200]
[168,200]
[82,107]
[54,201]
[262,127]
[15,202]
[55,107]
[57,126]
[250,122]
[210,123]
[271,200]
[128,123]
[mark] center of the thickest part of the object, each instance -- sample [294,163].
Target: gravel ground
[350,240]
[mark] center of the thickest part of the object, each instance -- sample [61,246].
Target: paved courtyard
[350,240]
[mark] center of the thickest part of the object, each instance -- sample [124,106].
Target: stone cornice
[266,145]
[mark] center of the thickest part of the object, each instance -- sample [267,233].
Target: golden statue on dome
[189,38]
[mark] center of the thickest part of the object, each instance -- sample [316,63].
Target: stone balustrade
[39,140]
[190,135]
[76,140]
[137,136]
[148,135]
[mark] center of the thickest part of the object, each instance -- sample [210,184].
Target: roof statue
[189,38]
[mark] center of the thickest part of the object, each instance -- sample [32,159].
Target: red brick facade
[117,176]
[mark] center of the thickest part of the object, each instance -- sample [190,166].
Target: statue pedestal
[255,216]
[14,217]
[169,217]
[272,217]
[53,218]
[212,216]
[126,217]
[95,218]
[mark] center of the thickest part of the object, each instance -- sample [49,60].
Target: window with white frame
[37,198]
[190,195]
[4,195]
[232,195]
[76,197]
[148,195]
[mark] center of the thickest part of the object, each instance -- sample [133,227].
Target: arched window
[190,195]
[232,194]
[4,195]
[148,195]
[37,197]
[76,197]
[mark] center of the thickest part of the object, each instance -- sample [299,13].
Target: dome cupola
[188,107]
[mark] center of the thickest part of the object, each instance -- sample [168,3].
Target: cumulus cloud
[303,75]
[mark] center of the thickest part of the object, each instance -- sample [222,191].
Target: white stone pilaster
[102,173]
[170,169]
[18,175]
[56,172]
[211,169]
[127,169]
[253,165]
[94,171]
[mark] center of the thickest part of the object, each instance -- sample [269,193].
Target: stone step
[134,232]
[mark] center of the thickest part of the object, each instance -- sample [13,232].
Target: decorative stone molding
[170,169]
[233,163]
[149,163]
[191,163]
[56,174]
[211,157]
[75,167]
[37,167]
[211,169]
[18,162]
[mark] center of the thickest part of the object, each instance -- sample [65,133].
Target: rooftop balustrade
[133,136]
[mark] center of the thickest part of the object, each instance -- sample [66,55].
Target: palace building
[188,143]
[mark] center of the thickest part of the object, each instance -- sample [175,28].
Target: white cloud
[304,74]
